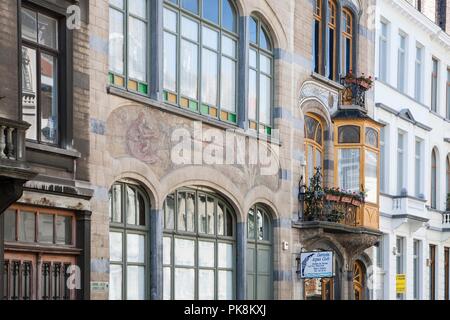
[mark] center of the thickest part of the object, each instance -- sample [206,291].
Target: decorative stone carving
[328,97]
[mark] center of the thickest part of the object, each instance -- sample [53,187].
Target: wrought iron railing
[354,92]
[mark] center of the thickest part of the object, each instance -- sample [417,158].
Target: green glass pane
[165,96]
[111,78]
[205,109]
[143,88]
[193,105]
[232,117]
[268,130]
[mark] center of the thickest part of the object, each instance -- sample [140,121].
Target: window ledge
[402,196]
[187,114]
[327,81]
[42,147]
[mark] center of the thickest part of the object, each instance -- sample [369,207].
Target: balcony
[354,92]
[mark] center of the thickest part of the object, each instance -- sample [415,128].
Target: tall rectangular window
[416,268]
[317,36]
[432,265]
[418,168]
[383,54]
[400,162]
[448,93]
[128,30]
[400,257]
[383,159]
[40,64]
[401,64]
[446,273]
[418,73]
[434,85]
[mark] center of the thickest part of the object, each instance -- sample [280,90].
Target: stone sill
[46,148]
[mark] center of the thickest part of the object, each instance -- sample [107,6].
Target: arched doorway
[358,280]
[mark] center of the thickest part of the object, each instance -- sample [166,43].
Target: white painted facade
[406,212]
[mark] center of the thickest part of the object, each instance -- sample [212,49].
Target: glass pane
[253,27]
[170,20]
[117,3]
[181,215]
[135,283]
[167,250]
[310,163]
[220,219]
[211,10]
[115,246]
[27,225]
[184,284]
[29,25]
[141,210]
[137,50]
[46,228]
[265,97]
[117,203]
[202,213]
[263,259]
[138,8]
[29,91]
[228,47]
[225,255]
[48,31]
[228,81]
[259,224]
[189,29]
[210,206]
[250,258]
[189,69]
[206,284]
[371,137]
[210,38]
[264,42]
[229,224]
[169,211]
[252,96]
[116,41]
[228,16]
[253,58]
[251,224]
[263,291]
[115,282]
[49,99]
[318,158]
[250,287]
[371,177]
[130,201]
[209,77]
[225,285]
[265,64]
[267,226]
[349,134]
[170,62]
[10,225]
[190,212]
[191,5]
[348,166]
[206,256]
[167,277]
[135,248]
[63,230]
[184,252]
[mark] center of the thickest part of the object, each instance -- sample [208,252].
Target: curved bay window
[128,242]
[260,96]
[199,246]
[347,42]
[332,42]
[313,145]
[259,254]
[434,179]
[201,56]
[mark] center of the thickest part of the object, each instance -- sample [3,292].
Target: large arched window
[199,246]
[313,145]
[260,96]
[200,56]
[347,41]
[259,254]
[434,176]
[128,242]
[332,40]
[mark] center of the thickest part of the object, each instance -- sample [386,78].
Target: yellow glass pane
[172,98]
[184,102]
[252,125]
[119,81]
[213,112]
[132,85]
[223,115]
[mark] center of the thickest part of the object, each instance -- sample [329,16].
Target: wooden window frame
[316,146]
[318,17]
[347,34]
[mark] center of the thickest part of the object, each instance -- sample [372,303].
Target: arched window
[347,41]
[128,242]
[199,246]
[318,16]
[313,145]
[433,179]
[332,40]
[259,254]
[260,95]
[200,56]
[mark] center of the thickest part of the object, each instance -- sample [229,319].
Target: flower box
[356,202]
[333,197]
[346,199]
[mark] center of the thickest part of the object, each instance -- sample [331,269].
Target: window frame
[333,25]
[383,52]
[417,272]
[402,53]
[418,166]
[401,152]
[434,84]
[448,92]
[434,179]
[419,65]
[315,146]
[346,35]
[318,12]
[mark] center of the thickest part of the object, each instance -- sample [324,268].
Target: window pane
[117,203]
[228,16]
[181,215]
[117,3]
[27,226]
[189,72]
[252,56]
[253,27]
[135,248]
[116,42]
[263,260]
[225,255]
[190,212]
[46,228]
[169,212]
[184,252]
[265,97]
[251,224]
[265,64]
[348,163]
[225,285]
[228,47]
[211,10]
[252,97]
[115,246]
[206,256]
[189,29]
[115,282]
[228,224]
[49,99]
[191,5]
[63,230]
[29,25]
[264,42]
[141,211]
[137,50]
[10,225]
[259,224]
[184,284]
[167,283]
[206,284]
[135,283]
[371,178]
[372,137]
[170,20]
[48,31]
[170,62]
[167,250]
[202,213]
[220,219]
[209,77]
[210,38]
[210,215]
[267,226]
[29,91]
[130,205]
[349,134]
[138,8]
[228,81]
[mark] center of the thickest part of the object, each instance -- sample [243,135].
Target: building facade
[412,99]
[189,149]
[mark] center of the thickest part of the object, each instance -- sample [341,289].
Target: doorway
[358,280]
[319,289]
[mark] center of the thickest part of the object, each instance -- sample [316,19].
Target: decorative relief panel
[312,89]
